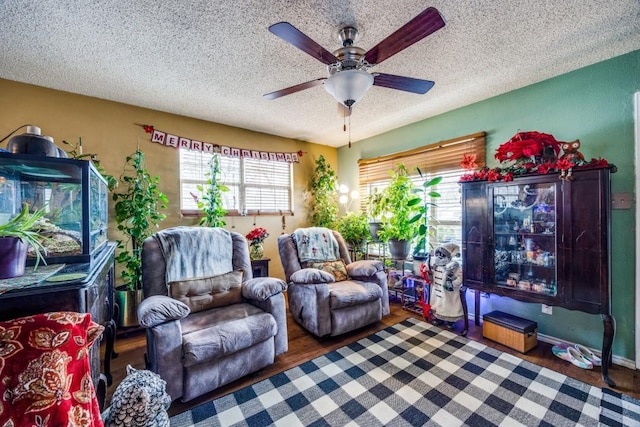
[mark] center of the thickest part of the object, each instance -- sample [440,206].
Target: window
[439,159]
[256,187]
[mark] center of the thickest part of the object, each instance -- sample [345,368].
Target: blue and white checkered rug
[414,374]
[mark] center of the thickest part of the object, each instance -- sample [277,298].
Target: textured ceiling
[214,60]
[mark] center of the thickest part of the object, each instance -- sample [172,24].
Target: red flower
[565,164]
[468,161]
[493,175]
[257,235]
[468,177]
[525,145]
[546,167]
[507,177]
[599,163]
[148,128]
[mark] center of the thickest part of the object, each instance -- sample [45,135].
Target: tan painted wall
[108,129]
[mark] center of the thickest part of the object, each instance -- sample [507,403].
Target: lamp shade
[348,86]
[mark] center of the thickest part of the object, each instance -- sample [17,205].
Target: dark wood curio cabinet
[542,239]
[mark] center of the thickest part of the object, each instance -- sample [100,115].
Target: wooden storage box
[513,331]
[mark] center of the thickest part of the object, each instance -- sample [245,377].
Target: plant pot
[399,249]
[374,227]
[13,257]
[256,251]
[128,302]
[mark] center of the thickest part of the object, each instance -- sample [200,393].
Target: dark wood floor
[304,346]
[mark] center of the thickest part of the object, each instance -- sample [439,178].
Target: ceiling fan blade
[294,89]
[428,22]
[407,84]
[297,38]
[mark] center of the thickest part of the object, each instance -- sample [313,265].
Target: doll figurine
[446,272]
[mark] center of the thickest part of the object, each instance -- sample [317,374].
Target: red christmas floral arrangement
[257,235]
[527,153]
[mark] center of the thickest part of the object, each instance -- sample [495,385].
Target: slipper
[571,354]
[589,355]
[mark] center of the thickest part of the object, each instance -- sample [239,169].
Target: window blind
[255,186]
[443,155]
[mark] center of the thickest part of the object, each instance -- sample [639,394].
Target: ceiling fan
[347,66]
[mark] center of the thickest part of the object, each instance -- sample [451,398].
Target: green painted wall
[593,104]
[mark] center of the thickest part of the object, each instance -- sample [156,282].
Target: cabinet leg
[476,293]
[110,337]
[465,310]
[607,343]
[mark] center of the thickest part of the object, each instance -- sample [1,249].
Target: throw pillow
[203,293]
[45,377]
[337,268]
[141,399]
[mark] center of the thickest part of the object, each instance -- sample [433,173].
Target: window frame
[236,181]
[442,158]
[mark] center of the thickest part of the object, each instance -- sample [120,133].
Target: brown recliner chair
[322,298]
[208,322]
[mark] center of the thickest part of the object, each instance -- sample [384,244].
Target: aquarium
[74,195]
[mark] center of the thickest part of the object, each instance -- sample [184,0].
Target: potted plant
[425,195]
[15,238]
[374,214]
[211,203]
[324,192]
[137,215]
[354,228]
[397,229]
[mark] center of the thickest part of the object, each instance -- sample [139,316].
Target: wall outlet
[547,309]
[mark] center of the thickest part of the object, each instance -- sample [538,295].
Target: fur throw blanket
[195,252]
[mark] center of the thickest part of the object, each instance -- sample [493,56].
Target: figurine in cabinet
[446,280]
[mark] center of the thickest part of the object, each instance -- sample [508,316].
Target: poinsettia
[468,161]
[525,146]
[565,164]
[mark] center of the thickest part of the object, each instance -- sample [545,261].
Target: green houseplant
[211,203]
[324,192]
[397,229]
[15,238]
[354,228]
[425,195]
[138,214]
[374,213]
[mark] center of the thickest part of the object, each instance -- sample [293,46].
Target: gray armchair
[208,321]
[324,300]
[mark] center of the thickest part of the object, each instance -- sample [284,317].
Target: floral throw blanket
[316,244]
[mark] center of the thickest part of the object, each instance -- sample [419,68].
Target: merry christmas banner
[184,143]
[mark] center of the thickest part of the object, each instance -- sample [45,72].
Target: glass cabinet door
[524,228]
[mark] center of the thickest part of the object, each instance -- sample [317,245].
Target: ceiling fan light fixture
[348,86]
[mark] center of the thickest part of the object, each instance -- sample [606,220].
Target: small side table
[260,267]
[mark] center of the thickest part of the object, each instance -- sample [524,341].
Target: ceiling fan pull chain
[349,128]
